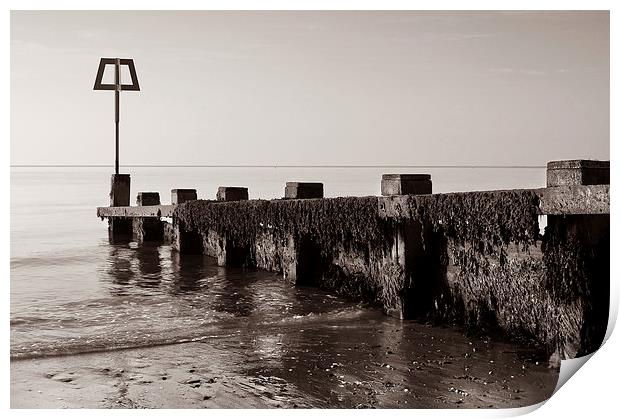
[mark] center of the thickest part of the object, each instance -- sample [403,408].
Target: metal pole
[117,100]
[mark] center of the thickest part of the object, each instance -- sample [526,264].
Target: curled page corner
[521,411]
[568,368]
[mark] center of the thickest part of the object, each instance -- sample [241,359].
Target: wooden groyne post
[407,249]
[120,191]
[148,228]
[185,241]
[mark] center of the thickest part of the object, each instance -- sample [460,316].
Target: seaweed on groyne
[480,262]
[329,222]
[501,274]
[486,220]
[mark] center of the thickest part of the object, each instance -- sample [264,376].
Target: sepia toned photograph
[234,209]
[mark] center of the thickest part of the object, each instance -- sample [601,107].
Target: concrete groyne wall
[341,244]
[470,258]
[486,264]
[478,259]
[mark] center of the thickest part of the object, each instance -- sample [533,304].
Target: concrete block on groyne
[183,195]
[120,190]
[231,193]
[577,172]
[303,190]
[406,184]
[147,198]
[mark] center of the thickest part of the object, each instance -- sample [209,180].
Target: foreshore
[442,369]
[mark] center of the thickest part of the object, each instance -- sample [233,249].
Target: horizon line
[292,166]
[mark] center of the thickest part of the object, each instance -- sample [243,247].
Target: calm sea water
[72,291]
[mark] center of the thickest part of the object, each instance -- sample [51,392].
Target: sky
[312,88]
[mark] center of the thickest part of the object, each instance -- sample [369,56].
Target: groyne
[475,258]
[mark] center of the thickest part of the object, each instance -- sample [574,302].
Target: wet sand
[170,332]
[406,365]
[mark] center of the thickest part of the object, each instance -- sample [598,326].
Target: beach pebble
[139,364]
[65,378]
[192,381]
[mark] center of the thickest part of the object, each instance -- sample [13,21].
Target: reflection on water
[334,351]
[149,268]
[72,291]
[120,270]
[155,268]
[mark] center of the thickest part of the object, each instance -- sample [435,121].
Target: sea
[74,292]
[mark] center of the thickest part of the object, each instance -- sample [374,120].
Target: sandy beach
[259,371]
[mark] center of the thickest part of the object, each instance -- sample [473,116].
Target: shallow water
[73,292]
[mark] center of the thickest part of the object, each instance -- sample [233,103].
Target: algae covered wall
[519,294]
[484,263]
[470,258]
[576,256]
[341,244]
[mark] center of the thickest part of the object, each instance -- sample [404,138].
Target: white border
[592,392]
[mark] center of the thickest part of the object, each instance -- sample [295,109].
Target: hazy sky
[313,88]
